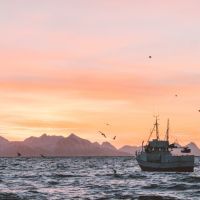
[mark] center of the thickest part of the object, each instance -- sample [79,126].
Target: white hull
[165,162]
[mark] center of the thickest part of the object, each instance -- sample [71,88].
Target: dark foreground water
[91,178]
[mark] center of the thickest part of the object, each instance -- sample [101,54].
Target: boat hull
[167,163]
[169,169]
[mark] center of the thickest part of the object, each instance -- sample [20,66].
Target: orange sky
[73,66]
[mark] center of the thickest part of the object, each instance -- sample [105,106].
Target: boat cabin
[157,145]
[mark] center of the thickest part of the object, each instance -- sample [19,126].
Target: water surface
[92,178]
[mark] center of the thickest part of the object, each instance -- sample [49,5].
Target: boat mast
[157,131]
[151,132]
[167,131]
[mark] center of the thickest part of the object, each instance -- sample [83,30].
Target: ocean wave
[192,179]
[10,196]
[151,186]
[53,182]
[136,176]
[183,186]
[66,175]
[156,197]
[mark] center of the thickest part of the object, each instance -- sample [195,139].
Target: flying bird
[107,124]
[199,110]
[19,154]
[103,134]
[150,57]
[114,137]
[176,95]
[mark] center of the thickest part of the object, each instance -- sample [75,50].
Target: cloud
[35,123]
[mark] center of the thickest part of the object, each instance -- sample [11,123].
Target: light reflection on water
[92,178]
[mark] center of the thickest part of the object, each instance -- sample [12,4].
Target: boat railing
[138,153]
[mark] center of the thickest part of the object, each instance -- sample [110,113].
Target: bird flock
[104,135]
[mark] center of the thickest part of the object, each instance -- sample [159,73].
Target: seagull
[114,171]
[199,110]
[150,57]
[176,95]
[18,154]
[42,155]
[107,124]
[103,134]
[114,137]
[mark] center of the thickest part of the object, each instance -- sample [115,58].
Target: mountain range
[47,145]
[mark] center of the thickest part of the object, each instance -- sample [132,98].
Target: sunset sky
[71,66]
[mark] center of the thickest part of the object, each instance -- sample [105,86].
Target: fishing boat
[157,155]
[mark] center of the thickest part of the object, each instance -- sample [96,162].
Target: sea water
[92,178]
